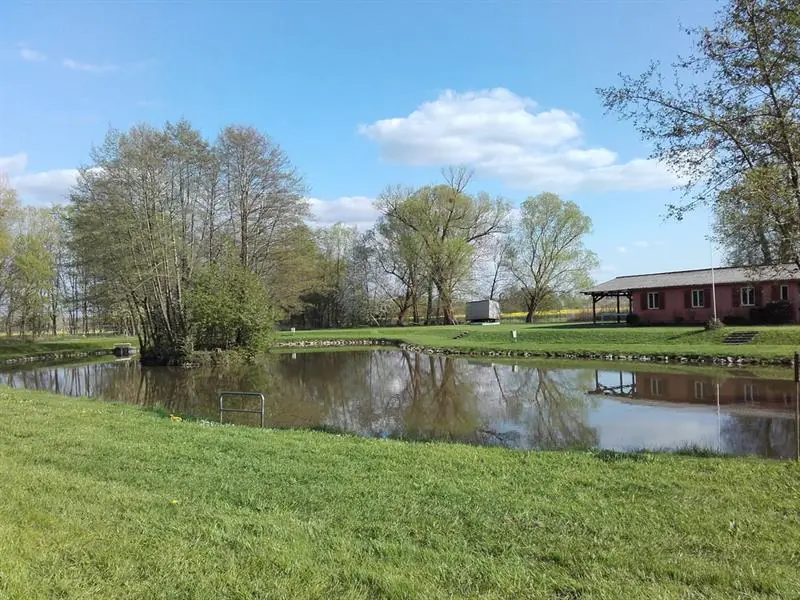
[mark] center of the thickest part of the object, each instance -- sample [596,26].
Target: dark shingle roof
[698,277]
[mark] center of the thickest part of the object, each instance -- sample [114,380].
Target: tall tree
[547,256]
[449,224]
[753,219]
[157,206]
[734,107]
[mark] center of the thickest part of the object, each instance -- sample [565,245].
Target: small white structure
[483,311]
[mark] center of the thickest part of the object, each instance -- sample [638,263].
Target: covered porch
[598,295]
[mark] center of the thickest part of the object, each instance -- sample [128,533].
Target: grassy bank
[15,347]
[110,501]
[769,343]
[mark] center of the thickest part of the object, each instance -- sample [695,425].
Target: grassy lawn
[770,342]
[107,501]
[19,347]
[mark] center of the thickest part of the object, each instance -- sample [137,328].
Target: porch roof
[697,277]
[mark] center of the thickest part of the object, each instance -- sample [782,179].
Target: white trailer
[483,311]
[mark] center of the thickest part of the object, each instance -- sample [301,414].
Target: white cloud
[641,244]
[87,67]
[350,210]
[31,55]
[14,164]
[504,135]
[42,188]
[622,249]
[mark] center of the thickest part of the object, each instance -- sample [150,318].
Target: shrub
[735,320]
[713,324]
[633,319]
[773,313]
[230,308]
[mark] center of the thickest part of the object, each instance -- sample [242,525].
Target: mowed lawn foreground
[769,342]
[102,500]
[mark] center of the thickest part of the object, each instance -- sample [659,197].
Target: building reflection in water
[397,394]
[754,415]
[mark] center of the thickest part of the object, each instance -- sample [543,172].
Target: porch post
[618,319]
[594,309]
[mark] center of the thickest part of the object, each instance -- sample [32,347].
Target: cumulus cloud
[504,135]
[87,67]
[41,188]
[350,210]
[31,55]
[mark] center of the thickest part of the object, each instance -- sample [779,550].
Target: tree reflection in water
[398,394]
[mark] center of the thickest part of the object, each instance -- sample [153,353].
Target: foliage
[714,324]
[229,307]
[729,126]
[546,256]
[144,504]
[159,205]
[633,319]
[446,223]
[773,313]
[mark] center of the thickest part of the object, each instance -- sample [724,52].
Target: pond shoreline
[663,358]
[54,356]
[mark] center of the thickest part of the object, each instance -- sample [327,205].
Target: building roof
[727,275]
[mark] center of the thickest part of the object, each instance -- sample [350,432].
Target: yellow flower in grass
[175,418]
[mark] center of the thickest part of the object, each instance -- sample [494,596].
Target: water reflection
[391,393]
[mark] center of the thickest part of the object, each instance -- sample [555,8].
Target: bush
[773,313]
[713,324]
[230,308]
[735,320]
[633,319]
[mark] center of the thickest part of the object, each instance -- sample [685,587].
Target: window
[655,387]
[748,296]
[784,293]
[653,300]
[749,393]
[698,298]
[698,390]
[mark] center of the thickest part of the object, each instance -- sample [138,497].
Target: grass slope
[18,347]
[770,342]
[108,501]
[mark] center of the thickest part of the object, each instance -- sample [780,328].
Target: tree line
[196,244]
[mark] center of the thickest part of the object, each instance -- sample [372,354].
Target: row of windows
[747,297]
[699,390]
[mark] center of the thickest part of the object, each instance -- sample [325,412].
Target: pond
[528,405]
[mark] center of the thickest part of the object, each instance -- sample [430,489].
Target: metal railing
[259,411]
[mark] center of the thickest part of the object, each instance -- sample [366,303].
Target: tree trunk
[429,308]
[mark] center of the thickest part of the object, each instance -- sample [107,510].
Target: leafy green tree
[448,224]
[754,219]
[546,255]
[230,307]
[157,207]
[734,107]
[31,277]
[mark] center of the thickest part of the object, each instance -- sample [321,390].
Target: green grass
[19,347]
[102,500]
[769,343]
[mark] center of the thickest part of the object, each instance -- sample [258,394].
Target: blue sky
[362,94]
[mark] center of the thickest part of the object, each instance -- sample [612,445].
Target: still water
[397,394]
